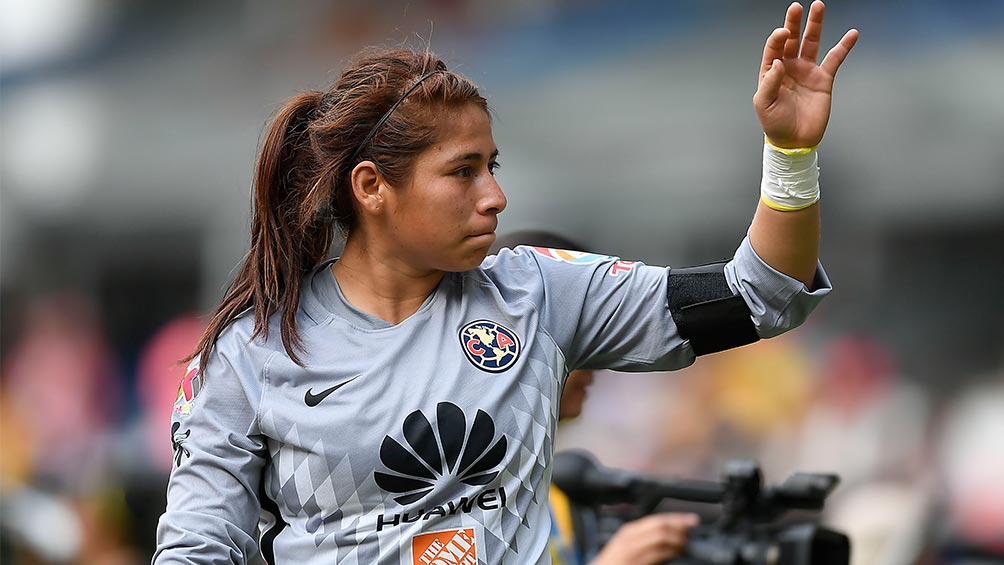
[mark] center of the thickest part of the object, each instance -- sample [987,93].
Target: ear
[368,187]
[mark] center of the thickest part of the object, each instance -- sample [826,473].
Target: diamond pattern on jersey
[338,504]
[320,500]
[527,459]
[536,404]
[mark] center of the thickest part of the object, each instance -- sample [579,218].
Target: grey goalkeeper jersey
[430,441]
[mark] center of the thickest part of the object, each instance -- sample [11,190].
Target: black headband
[386,116]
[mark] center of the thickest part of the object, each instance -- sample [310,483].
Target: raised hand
[793,95]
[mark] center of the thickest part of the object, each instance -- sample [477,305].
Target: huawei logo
[432,453]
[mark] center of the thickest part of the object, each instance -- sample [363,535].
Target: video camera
[749,530]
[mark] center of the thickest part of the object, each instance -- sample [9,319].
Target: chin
[475,258]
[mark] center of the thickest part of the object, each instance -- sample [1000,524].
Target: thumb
[770,84]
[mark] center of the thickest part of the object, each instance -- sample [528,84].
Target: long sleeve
[213,502]
[607,313]
[776,301]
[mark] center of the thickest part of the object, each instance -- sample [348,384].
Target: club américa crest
[490,346]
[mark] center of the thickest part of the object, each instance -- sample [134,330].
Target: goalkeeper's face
[575,393]
[444,217]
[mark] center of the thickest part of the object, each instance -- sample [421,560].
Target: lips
[485,234]
[488,230]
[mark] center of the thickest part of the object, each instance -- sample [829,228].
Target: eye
[494,166]
[464,172]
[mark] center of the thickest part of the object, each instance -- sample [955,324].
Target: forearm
[792,103]
[787,241]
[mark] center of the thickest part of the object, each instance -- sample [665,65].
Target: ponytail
[288,238]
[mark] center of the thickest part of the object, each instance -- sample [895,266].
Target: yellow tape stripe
[794,151]
[781,207]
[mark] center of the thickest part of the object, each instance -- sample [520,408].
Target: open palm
[793,95]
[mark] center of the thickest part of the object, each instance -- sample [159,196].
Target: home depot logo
[452,547]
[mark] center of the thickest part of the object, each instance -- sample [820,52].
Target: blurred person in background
[864,421]
[741,403]
[758,397]
[966,526]
[650,540]
[868,425]
[61,398]
[61,381]
[313,374]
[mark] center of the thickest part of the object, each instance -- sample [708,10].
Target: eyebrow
[472,157]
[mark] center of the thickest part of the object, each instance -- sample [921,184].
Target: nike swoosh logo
[312,399]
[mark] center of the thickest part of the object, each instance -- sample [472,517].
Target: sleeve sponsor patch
[619,267]
[190,387]
[573,257]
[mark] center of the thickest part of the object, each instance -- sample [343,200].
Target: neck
[380,285]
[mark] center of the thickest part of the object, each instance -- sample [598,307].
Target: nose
[494,200]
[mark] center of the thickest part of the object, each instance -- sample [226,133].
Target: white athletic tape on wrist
[790,178]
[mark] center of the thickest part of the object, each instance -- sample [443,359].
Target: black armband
[705,310]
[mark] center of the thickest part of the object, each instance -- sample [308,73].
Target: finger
[813,31]
[793,23]
[682,520]
[773,49]
[770,84]
[675,526]
[836,56]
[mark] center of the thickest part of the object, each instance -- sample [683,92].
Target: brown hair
[302,185]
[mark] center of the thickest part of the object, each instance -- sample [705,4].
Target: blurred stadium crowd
[127,138]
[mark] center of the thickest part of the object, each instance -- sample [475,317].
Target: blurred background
[128,131]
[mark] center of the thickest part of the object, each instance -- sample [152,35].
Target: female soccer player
[397,404]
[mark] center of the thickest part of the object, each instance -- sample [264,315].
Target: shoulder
[240,352]
[559,268]
[512,273]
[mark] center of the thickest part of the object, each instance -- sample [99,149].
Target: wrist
[790,150]
[790,178]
